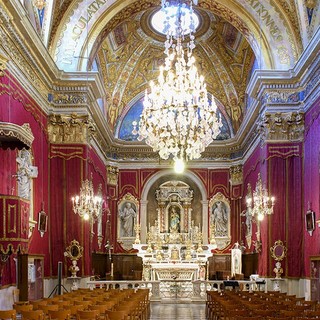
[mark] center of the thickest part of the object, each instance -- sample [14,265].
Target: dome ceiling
[130,55]
[116,39]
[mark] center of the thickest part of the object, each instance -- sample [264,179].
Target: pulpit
[14,227]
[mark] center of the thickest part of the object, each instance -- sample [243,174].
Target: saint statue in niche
[174,219]
[219,219]
[127,217]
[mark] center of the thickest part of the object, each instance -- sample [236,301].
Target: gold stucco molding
[10,133]
[282,126]
[19,54]
[73,128]
[3,65]
[112,175]
[236,175]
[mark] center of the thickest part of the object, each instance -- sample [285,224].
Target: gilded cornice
[61,100]
[236,175]
[3,65]
[281,97]
[70,129]
[12,42]
[282,126]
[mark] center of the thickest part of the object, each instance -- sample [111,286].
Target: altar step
[177,311]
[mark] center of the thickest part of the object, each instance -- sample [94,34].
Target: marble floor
[178,311]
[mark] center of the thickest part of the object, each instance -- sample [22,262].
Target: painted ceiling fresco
[233,38]
[131,54]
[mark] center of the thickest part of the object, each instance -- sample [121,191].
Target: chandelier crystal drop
[260,204]
[88,205]
[177,119]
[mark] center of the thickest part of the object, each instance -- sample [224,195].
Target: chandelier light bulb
[179,166]
[86,216]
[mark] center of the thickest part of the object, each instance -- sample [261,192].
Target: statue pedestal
[75,283]
[277,284]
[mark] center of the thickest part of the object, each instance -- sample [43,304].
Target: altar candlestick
[111,272]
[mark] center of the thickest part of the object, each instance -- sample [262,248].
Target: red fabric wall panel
[218,182]
[69,166]
[57,212]
[17,107]
[129,182]
[285,183]
[8,171]
[312,182]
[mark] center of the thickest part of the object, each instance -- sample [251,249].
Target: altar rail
[176,289]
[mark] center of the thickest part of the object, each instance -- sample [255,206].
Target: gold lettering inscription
[265,16]
[81,25]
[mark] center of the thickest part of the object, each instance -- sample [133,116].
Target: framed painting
[42,222]
[310,221]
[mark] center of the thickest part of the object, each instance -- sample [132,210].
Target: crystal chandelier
[88,205]
[260,204]
[177,119]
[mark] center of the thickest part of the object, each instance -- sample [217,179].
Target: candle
[111,272]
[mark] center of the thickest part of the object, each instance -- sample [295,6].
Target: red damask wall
[311,181]
[281,167]
[17,107]
[69,165]
[61,169]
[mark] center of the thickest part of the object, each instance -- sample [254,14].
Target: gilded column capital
[236,175]
[112,175]
[68,129]
[282,126]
